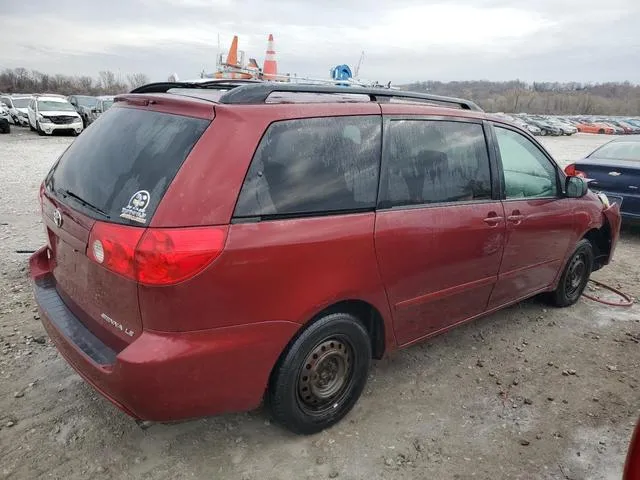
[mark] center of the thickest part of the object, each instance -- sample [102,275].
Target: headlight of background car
[44,119]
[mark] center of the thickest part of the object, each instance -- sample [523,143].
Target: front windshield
[20,102]
[52,106]
[619,151]
[87,101]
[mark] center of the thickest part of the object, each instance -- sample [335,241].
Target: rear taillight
[155,256]
[170,255]
[571,171]
[114,247]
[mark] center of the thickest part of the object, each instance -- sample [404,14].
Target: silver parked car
[17,106]
[102,105]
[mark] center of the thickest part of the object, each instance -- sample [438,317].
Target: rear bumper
[165,376]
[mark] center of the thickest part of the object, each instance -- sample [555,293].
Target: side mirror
[576,187]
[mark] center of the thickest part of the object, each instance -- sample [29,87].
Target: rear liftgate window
[124,163]
[313,166]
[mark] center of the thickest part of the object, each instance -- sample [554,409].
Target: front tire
[321,375]
[39,130]
[543,133]
[575,276]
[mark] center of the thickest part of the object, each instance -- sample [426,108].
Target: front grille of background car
[62,119]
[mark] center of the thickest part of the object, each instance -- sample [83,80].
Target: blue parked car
[614,169]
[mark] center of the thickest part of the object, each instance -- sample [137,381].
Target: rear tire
[574,277]
[601,131]
[321,375]
[543,132]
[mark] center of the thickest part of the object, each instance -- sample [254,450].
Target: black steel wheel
[326,376]
[321,375]
[575,276]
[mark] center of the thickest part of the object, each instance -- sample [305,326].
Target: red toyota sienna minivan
[212,245]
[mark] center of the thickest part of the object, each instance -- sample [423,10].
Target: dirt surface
[531,392]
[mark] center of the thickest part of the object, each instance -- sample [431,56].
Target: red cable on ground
[628,299]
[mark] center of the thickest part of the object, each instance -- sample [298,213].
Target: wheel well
[600,239]
[368,315]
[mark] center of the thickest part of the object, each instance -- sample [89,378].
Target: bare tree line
[21,80]
[512,96]
[543,98]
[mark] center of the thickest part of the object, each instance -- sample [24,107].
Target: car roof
[235,92]
[627,138]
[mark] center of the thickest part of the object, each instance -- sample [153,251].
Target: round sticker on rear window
[137,206]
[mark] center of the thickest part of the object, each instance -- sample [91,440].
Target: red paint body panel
[164,377]
[426,110]
[205,190]
[166,103]
[286,270]
[208,344]
[539,234]
[613,218]
[439,264]
[88,289]
[632,464]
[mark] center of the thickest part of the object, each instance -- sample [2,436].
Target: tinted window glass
[528,173]
[428,161]
[127,152]
[313,165]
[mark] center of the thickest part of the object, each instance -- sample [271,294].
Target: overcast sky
[403,40]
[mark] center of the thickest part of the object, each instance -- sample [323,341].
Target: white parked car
[17,106]
[52,113]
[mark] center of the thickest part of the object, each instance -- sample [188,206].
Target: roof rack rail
[256,93]
[218,84]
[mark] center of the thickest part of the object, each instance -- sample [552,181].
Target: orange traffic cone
[270,70]
[232,56]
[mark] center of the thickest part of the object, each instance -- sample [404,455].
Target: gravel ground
[529,392]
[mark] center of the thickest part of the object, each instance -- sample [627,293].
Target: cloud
[403,40]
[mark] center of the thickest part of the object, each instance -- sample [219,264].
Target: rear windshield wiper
[68,193]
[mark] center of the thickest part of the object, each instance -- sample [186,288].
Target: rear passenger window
[429,161]
[314,165]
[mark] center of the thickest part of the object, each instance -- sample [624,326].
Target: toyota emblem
[57,218]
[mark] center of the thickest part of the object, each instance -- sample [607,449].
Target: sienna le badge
[136,209]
